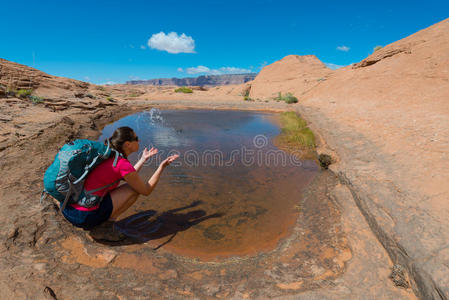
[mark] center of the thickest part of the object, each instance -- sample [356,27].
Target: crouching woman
[115,199]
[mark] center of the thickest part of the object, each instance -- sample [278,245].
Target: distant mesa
[205,80]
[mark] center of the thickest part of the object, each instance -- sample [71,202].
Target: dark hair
[119,137]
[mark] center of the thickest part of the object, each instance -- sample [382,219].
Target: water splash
[149,118]
[155,115]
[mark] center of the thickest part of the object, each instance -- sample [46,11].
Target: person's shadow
[149,225]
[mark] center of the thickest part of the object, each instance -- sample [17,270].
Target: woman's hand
[168,160]
[146,154]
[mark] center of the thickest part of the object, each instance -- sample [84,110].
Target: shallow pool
[231,192]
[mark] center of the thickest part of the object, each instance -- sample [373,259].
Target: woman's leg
[122,198]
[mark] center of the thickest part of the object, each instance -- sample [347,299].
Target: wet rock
[325,160]
[212,233]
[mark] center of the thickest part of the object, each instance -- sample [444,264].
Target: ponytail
[119,137]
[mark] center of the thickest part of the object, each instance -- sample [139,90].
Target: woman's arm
[146,154]
[145,188]
[139,164]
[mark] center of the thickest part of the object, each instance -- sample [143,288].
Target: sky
[115,41]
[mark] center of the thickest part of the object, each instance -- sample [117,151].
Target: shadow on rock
[149,225]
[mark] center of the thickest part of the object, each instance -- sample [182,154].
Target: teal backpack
[64,179]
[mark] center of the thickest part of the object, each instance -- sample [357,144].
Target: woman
[116,200]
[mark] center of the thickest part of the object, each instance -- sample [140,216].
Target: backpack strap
[107,149]
[83,176]
[117,154]
[94,161]
[103,187]
[69,193]
[87,170]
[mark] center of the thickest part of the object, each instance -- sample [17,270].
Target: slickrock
[14,76]
[387,118]
[295,74]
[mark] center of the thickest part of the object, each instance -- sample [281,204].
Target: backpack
[64,178]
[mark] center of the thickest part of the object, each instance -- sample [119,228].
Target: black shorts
[89,219]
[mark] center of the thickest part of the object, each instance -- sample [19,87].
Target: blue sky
[108,41]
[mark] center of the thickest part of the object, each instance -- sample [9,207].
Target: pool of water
[231,192]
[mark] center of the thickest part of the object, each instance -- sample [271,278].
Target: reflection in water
[239,209]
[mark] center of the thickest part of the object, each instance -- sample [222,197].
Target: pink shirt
[104,174]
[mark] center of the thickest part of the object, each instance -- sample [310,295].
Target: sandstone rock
[169,274]
[388,118]
[5,118]
[2,91]
[290,286]
[14,76]
[293,74]
[379,55]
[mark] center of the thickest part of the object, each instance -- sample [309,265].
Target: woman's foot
[107,231]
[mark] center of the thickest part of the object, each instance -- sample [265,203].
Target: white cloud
[197,70]
[343,48]
[172,43]
[142,47]
[333,66]
[219,71]
[233,70]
